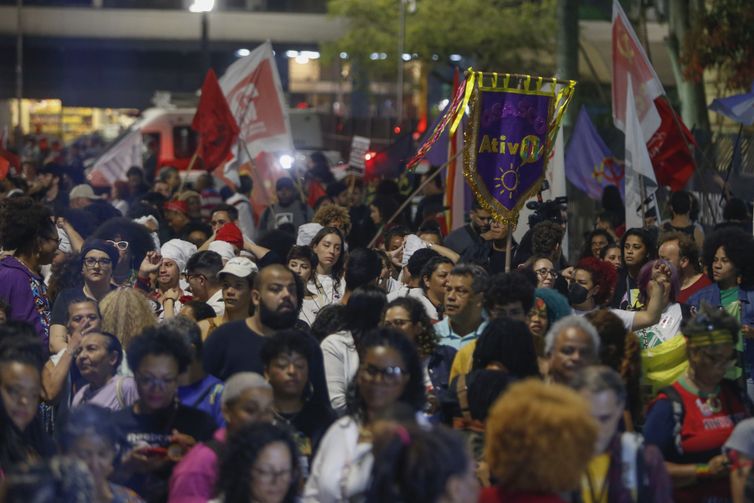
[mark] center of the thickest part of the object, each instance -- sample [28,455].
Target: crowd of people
[169,341]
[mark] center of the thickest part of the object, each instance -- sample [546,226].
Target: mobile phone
[154,452]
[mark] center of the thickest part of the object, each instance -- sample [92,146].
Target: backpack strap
[119,391]
[204,395]
[676,403]
[216,446]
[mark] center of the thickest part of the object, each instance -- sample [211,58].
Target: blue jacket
[711,295]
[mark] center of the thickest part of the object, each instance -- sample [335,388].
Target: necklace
[708,403]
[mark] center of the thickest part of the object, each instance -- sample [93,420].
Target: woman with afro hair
[158,428]
[727,258]
[539,440]
[132,241]
[29,240]
[592,283]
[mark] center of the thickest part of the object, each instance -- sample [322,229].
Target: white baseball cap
[239,266]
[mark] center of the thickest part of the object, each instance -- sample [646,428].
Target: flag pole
[508,247]
[410,197]
[189,168]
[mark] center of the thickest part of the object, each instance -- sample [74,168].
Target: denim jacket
[711,295]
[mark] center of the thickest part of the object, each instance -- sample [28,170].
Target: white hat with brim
[239,266]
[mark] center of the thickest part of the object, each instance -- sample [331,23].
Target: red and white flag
[253,91]
[629,58]
[666,138]
[113,164]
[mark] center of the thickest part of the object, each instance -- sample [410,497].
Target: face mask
[577,294]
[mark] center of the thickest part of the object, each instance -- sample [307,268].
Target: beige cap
[239,266]
[83,190]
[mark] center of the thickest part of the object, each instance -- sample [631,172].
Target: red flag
[215,124]
[4,168]
[672,159]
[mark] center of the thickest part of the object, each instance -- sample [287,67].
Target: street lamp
[204,7]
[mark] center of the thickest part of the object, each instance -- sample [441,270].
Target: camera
[547,210]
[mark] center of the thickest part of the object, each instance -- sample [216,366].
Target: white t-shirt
[667,328]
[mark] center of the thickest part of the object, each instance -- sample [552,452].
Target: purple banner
[509,146]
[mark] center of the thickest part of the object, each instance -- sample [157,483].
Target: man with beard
[235,346]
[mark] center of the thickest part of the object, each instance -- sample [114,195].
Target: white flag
[632,69]
[253,91]
[638,169]
[115,162]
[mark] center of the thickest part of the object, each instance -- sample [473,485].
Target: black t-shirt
[154,430]
[307,428]
[230,348]
[59,314]
[233,347]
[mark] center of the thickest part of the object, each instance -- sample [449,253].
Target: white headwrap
[411,243]
[306,233]
[224,249]
[178,251]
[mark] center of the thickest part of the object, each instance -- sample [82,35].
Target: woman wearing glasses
[545,271]
[132,240]
[159,430]
[26,228]
[260,465]
[408,315]
[389,372]
[98,258]
[691,420]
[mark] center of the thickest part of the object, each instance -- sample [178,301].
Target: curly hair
[414,392]
[330,319]
[159,340]
[739,247]
[65,274]
[508,287]
[242,450]
[707,320]
[545,236]
[326,215]
[415,464]
[426,341]
[139,240]
[539,437]
[126,312]
[23,223]
[510,343]
[603,275]
[650,244]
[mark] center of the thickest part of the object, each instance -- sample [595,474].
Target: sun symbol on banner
[507,181]
[610,170]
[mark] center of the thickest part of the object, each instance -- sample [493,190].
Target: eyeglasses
[91,262]
[390,374]
[120,245]
[397,323]
[543,273]
[154,383]
[271,476]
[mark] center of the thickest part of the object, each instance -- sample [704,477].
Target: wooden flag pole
[508,247]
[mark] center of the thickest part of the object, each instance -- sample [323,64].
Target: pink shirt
[193,479]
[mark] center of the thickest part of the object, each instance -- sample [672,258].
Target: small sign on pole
[359,148]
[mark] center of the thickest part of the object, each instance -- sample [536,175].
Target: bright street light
[202,6]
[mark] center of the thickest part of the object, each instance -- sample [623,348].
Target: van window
[150,139]
[184,142]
